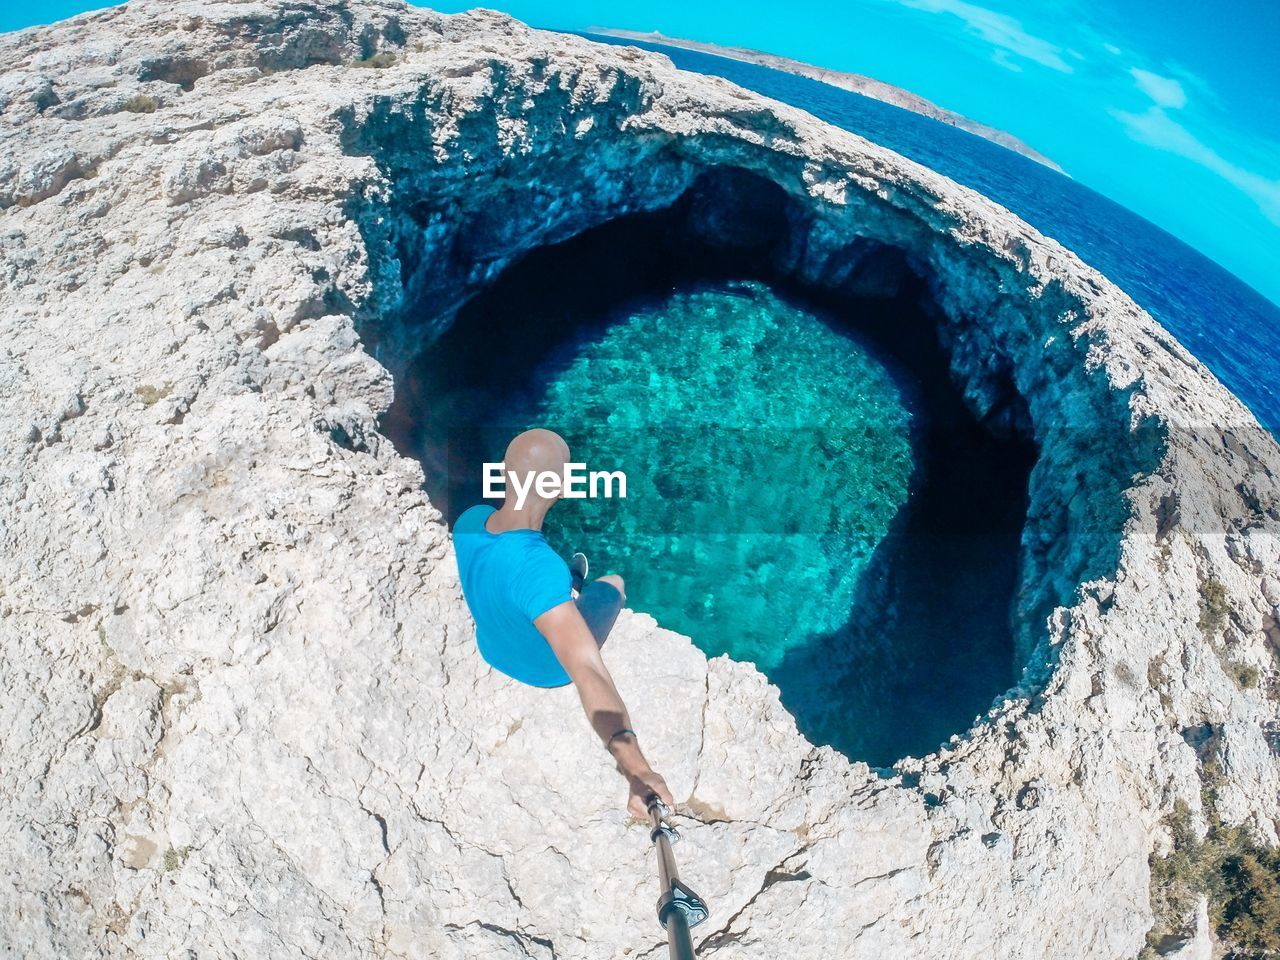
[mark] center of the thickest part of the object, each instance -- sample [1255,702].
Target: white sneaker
[578,568]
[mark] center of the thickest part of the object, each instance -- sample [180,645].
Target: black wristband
[620,733]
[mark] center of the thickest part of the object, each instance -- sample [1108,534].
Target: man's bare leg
[600,602]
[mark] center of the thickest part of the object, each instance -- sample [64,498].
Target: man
[528,624]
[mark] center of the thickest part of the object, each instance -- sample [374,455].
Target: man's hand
[641,778]
[643,787]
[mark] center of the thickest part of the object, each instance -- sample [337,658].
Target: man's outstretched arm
[578,653]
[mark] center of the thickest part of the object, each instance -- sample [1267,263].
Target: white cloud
[998,29]
[1164,91]
[1179,113]
[1157,129]
[1002,58]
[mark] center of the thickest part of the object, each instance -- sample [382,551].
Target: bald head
[533,452]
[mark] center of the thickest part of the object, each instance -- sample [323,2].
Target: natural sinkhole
[807,489]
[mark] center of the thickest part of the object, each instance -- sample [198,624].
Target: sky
[1169,107]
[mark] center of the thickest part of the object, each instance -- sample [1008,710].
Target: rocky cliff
[242,714]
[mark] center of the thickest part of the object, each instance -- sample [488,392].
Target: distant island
[855,82]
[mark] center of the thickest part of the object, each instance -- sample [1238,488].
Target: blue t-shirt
[509,580]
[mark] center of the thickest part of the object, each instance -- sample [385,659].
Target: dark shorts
[599,603]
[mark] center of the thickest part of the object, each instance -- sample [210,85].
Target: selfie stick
[679,908]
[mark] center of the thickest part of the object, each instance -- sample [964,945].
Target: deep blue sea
[1228,325]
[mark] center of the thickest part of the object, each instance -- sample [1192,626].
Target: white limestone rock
[242,713]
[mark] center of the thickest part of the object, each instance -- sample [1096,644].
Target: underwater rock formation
[242,713]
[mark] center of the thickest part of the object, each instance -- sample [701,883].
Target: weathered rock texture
[242,714]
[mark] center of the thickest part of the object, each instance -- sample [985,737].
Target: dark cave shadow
[929,643]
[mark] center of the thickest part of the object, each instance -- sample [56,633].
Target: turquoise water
[766,456]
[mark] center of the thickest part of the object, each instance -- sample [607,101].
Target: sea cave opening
[807,487]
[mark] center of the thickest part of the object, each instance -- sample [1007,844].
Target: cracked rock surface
[242,714]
